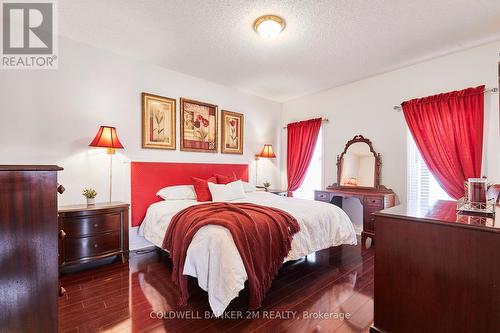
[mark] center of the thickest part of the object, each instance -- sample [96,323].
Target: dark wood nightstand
[90,233]
[281,193]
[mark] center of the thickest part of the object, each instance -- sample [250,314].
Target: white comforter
[213,258]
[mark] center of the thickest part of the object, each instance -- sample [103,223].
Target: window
[313,180]
[422,187]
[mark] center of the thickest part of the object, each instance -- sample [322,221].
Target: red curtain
[302,137]
[448,131]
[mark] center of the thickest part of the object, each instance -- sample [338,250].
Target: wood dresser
[90,233]
[29,284]
[372,200]
[436,271]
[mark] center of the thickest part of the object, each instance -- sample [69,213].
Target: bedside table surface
[85,207]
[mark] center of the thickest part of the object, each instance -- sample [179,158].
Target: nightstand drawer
[92,225]
[86,247]
[322,196]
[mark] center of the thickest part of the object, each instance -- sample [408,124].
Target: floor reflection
[134,297]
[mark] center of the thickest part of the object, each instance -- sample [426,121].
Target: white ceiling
[325,44]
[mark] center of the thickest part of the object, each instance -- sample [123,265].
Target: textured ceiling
[325,43]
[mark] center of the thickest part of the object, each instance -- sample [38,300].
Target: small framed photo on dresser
[198,126]
[158,122]
[232,132]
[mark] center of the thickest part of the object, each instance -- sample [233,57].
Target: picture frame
[198,126]
[158,122]
[232,132]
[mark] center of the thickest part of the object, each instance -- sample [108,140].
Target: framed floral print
[158,122]
[198,126]
[232,132]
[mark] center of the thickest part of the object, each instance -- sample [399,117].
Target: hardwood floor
[334,287]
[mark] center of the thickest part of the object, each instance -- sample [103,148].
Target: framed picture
[232,132]
[158,122]
[198,126]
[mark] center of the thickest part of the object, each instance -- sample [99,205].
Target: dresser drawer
[78,248]
[322,196]
[369,223]
[371,209]
[377,202]
[91,225]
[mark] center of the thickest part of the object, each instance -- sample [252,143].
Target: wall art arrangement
[158,122]
[232,132]
[198,126]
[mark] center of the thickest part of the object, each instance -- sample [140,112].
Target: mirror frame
[378,163]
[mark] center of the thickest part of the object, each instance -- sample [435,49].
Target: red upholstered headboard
[149,177]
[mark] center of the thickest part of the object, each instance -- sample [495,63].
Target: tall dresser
[436,270]
[28,245]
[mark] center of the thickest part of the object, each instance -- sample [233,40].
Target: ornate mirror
[358,165]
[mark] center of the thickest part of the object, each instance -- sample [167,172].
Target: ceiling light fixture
[269,26]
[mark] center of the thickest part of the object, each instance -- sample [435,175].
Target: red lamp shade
[267,152]
[106,137]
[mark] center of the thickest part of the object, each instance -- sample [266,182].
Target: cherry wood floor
[334,286]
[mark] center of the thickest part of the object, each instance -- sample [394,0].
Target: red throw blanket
[263,237]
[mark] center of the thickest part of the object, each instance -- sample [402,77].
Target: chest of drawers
[28,245]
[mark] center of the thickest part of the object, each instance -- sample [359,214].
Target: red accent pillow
[221,179]
[201,188]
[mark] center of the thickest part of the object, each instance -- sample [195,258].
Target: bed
[212,256]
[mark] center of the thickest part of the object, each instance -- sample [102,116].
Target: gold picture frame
[199,126]
[232,132]
[158,122]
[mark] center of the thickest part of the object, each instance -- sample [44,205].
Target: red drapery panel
[448,131]
[302,137]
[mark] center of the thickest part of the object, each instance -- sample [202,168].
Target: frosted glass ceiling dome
[269,26]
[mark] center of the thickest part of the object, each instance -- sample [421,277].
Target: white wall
[366,107]
[50,117]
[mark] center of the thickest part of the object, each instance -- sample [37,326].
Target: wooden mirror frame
[378,163]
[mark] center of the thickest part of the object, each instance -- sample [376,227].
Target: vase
[90,201]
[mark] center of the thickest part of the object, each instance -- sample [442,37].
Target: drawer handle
[96,225]
[62,234]
[61,189]
[96,245]
[373,200]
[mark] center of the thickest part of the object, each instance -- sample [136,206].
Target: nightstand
[90,233]
[282,193]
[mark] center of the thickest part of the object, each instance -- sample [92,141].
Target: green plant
[266,184]
[89,193]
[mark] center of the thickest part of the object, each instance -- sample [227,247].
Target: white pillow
[248,187]
[179,192]
[226,192]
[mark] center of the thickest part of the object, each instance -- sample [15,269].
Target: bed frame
[149,177]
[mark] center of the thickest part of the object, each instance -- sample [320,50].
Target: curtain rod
[325,120]
[398,108]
